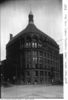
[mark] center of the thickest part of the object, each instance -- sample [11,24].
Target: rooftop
[31,28]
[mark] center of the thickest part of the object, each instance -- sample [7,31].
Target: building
[61,68]
[2,69]
[32,56]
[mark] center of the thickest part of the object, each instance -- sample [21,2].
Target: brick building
[32,56]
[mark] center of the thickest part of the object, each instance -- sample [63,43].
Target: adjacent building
[61,68]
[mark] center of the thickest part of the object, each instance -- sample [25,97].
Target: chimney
[11,36]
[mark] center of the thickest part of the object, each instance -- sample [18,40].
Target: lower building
[61,68]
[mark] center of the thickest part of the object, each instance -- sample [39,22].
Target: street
[32,92]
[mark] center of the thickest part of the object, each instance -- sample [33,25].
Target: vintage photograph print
[31,49]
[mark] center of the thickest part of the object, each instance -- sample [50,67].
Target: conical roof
[31,28]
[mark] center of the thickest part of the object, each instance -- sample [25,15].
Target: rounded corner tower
[32,56]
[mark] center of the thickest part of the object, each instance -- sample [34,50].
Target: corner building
[32,56]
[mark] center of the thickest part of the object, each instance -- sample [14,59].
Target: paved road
[32,92]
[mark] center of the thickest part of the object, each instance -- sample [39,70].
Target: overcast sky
[14,18]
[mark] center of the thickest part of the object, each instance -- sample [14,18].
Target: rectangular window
[45,73]
[39,45]
[36,73]
[34,59]
[36,65]
[34,53]
[49,74]
[41,73]
[29,44]
[35,45]
[45,54]
[41,53]
[27,73]
[26,45]
[40,60]
[40,65]
[27,65]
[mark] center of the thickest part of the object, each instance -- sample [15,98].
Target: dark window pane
[41,73]
[45,73]
[28,73]
[36,73]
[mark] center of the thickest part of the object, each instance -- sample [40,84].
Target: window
[45,54]
[28,59]
[45,66]
[40,65]
[36,73]
[40,60]
[48,55]
[36,65]
[41,73]
[35,59]
[39,45]
[34,44]
[27,65]
[34,53]
[48,73]
[28,44]
[28,56]
[45,73]
[41,53]
[34,56]
[28,73]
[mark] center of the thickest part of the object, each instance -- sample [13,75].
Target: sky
[47,18]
